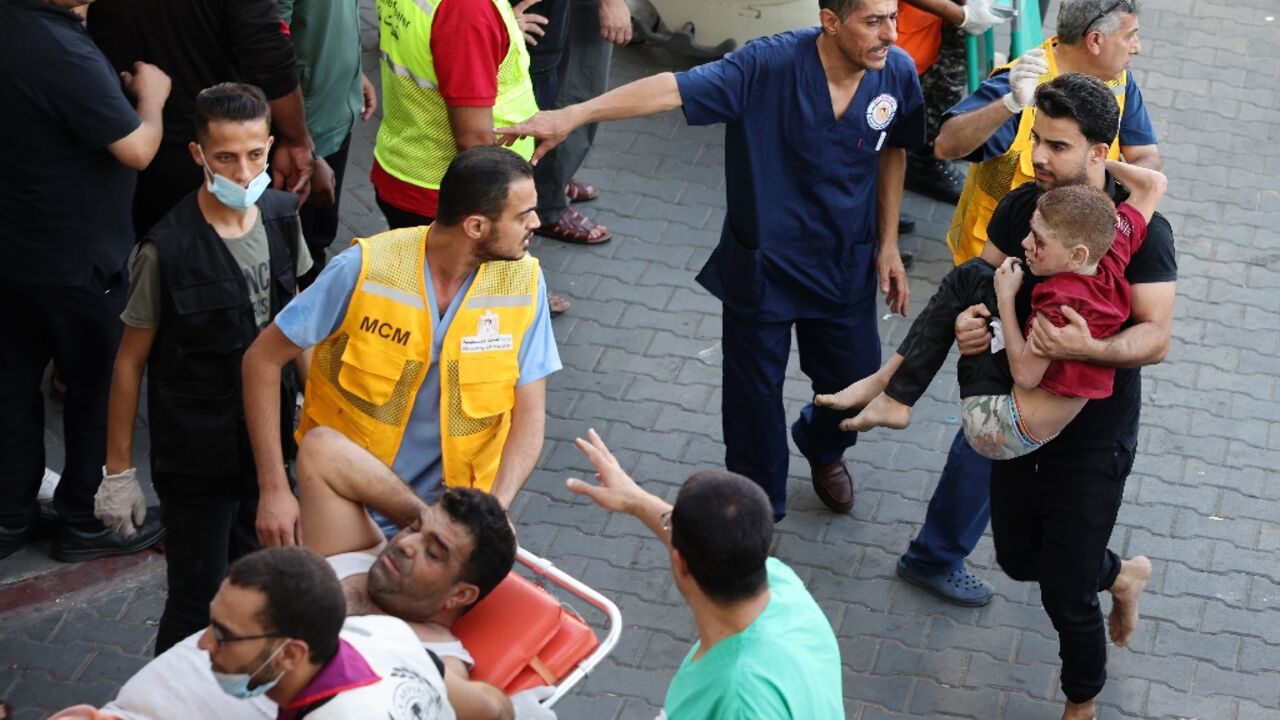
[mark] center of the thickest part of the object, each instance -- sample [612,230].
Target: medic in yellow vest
[992,128]
[370,319]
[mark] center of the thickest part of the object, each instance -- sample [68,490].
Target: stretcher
[520,636]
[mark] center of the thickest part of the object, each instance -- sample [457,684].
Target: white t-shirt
[180,682]
[411,687]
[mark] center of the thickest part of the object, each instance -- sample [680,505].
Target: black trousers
[320,224]
[202,537]
[78,328]
[1051,517]
[397,218]
[932,333]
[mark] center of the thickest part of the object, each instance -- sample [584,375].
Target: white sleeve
[180,683]
[450,649]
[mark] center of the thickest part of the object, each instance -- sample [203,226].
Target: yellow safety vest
[365,377]
[989,181]
[415,140]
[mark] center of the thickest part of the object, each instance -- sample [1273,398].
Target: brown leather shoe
[834,485]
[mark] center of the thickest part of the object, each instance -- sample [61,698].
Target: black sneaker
[12,539]
[74,545]
[908,257]
[931,177]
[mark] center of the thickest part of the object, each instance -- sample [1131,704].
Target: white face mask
[230,193]
[237,684]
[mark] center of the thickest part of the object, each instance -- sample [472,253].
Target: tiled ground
[640,348]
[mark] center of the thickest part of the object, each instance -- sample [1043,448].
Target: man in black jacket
[201,43]
[206,279]
[73,145]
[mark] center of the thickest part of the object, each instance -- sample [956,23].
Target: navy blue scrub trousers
[834,352]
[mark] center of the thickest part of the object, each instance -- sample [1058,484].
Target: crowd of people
[336,438]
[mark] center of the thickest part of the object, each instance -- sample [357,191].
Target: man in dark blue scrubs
[817,124]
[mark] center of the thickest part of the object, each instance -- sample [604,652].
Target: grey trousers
[582,75]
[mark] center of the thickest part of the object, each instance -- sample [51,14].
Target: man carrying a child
[1052,511]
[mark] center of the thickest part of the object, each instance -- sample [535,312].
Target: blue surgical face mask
[237,684]
[230,193]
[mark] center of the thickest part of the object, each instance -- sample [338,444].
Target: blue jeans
[957,515]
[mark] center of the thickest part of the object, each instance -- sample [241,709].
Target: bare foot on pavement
[1080,711]
[1125,592]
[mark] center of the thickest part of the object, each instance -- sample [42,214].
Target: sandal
[580,191]
[574,227]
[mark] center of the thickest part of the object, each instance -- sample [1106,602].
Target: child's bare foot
[1125,592]
[856,395]
[883,411]
[1080,711]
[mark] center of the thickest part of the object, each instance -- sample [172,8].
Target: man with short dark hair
[207,278]
[764,648]
[406,591]
[280,643]
[1053,511]
[74,143]
[992,128]
[432,347]
[446,558]
[818,122]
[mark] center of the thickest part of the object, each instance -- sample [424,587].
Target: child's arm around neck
[1146,187]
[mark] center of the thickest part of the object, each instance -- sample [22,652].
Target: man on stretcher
[1082,243]
[447,558]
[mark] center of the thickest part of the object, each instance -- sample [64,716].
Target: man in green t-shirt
[764,648]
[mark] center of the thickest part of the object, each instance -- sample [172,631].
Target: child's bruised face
[1046,254]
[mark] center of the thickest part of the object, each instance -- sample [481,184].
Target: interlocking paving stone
[1200,501]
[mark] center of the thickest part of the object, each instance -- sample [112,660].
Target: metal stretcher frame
[1024,33]
[547,570]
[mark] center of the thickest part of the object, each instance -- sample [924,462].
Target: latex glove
[1024,78]
[978,17]
[528,703]
[119,503]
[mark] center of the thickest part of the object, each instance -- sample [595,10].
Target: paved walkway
[640,348]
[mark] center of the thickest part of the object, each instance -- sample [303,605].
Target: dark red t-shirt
[1102,299]
[468,43]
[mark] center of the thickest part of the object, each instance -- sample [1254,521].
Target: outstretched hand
[617,492]
[548,127]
